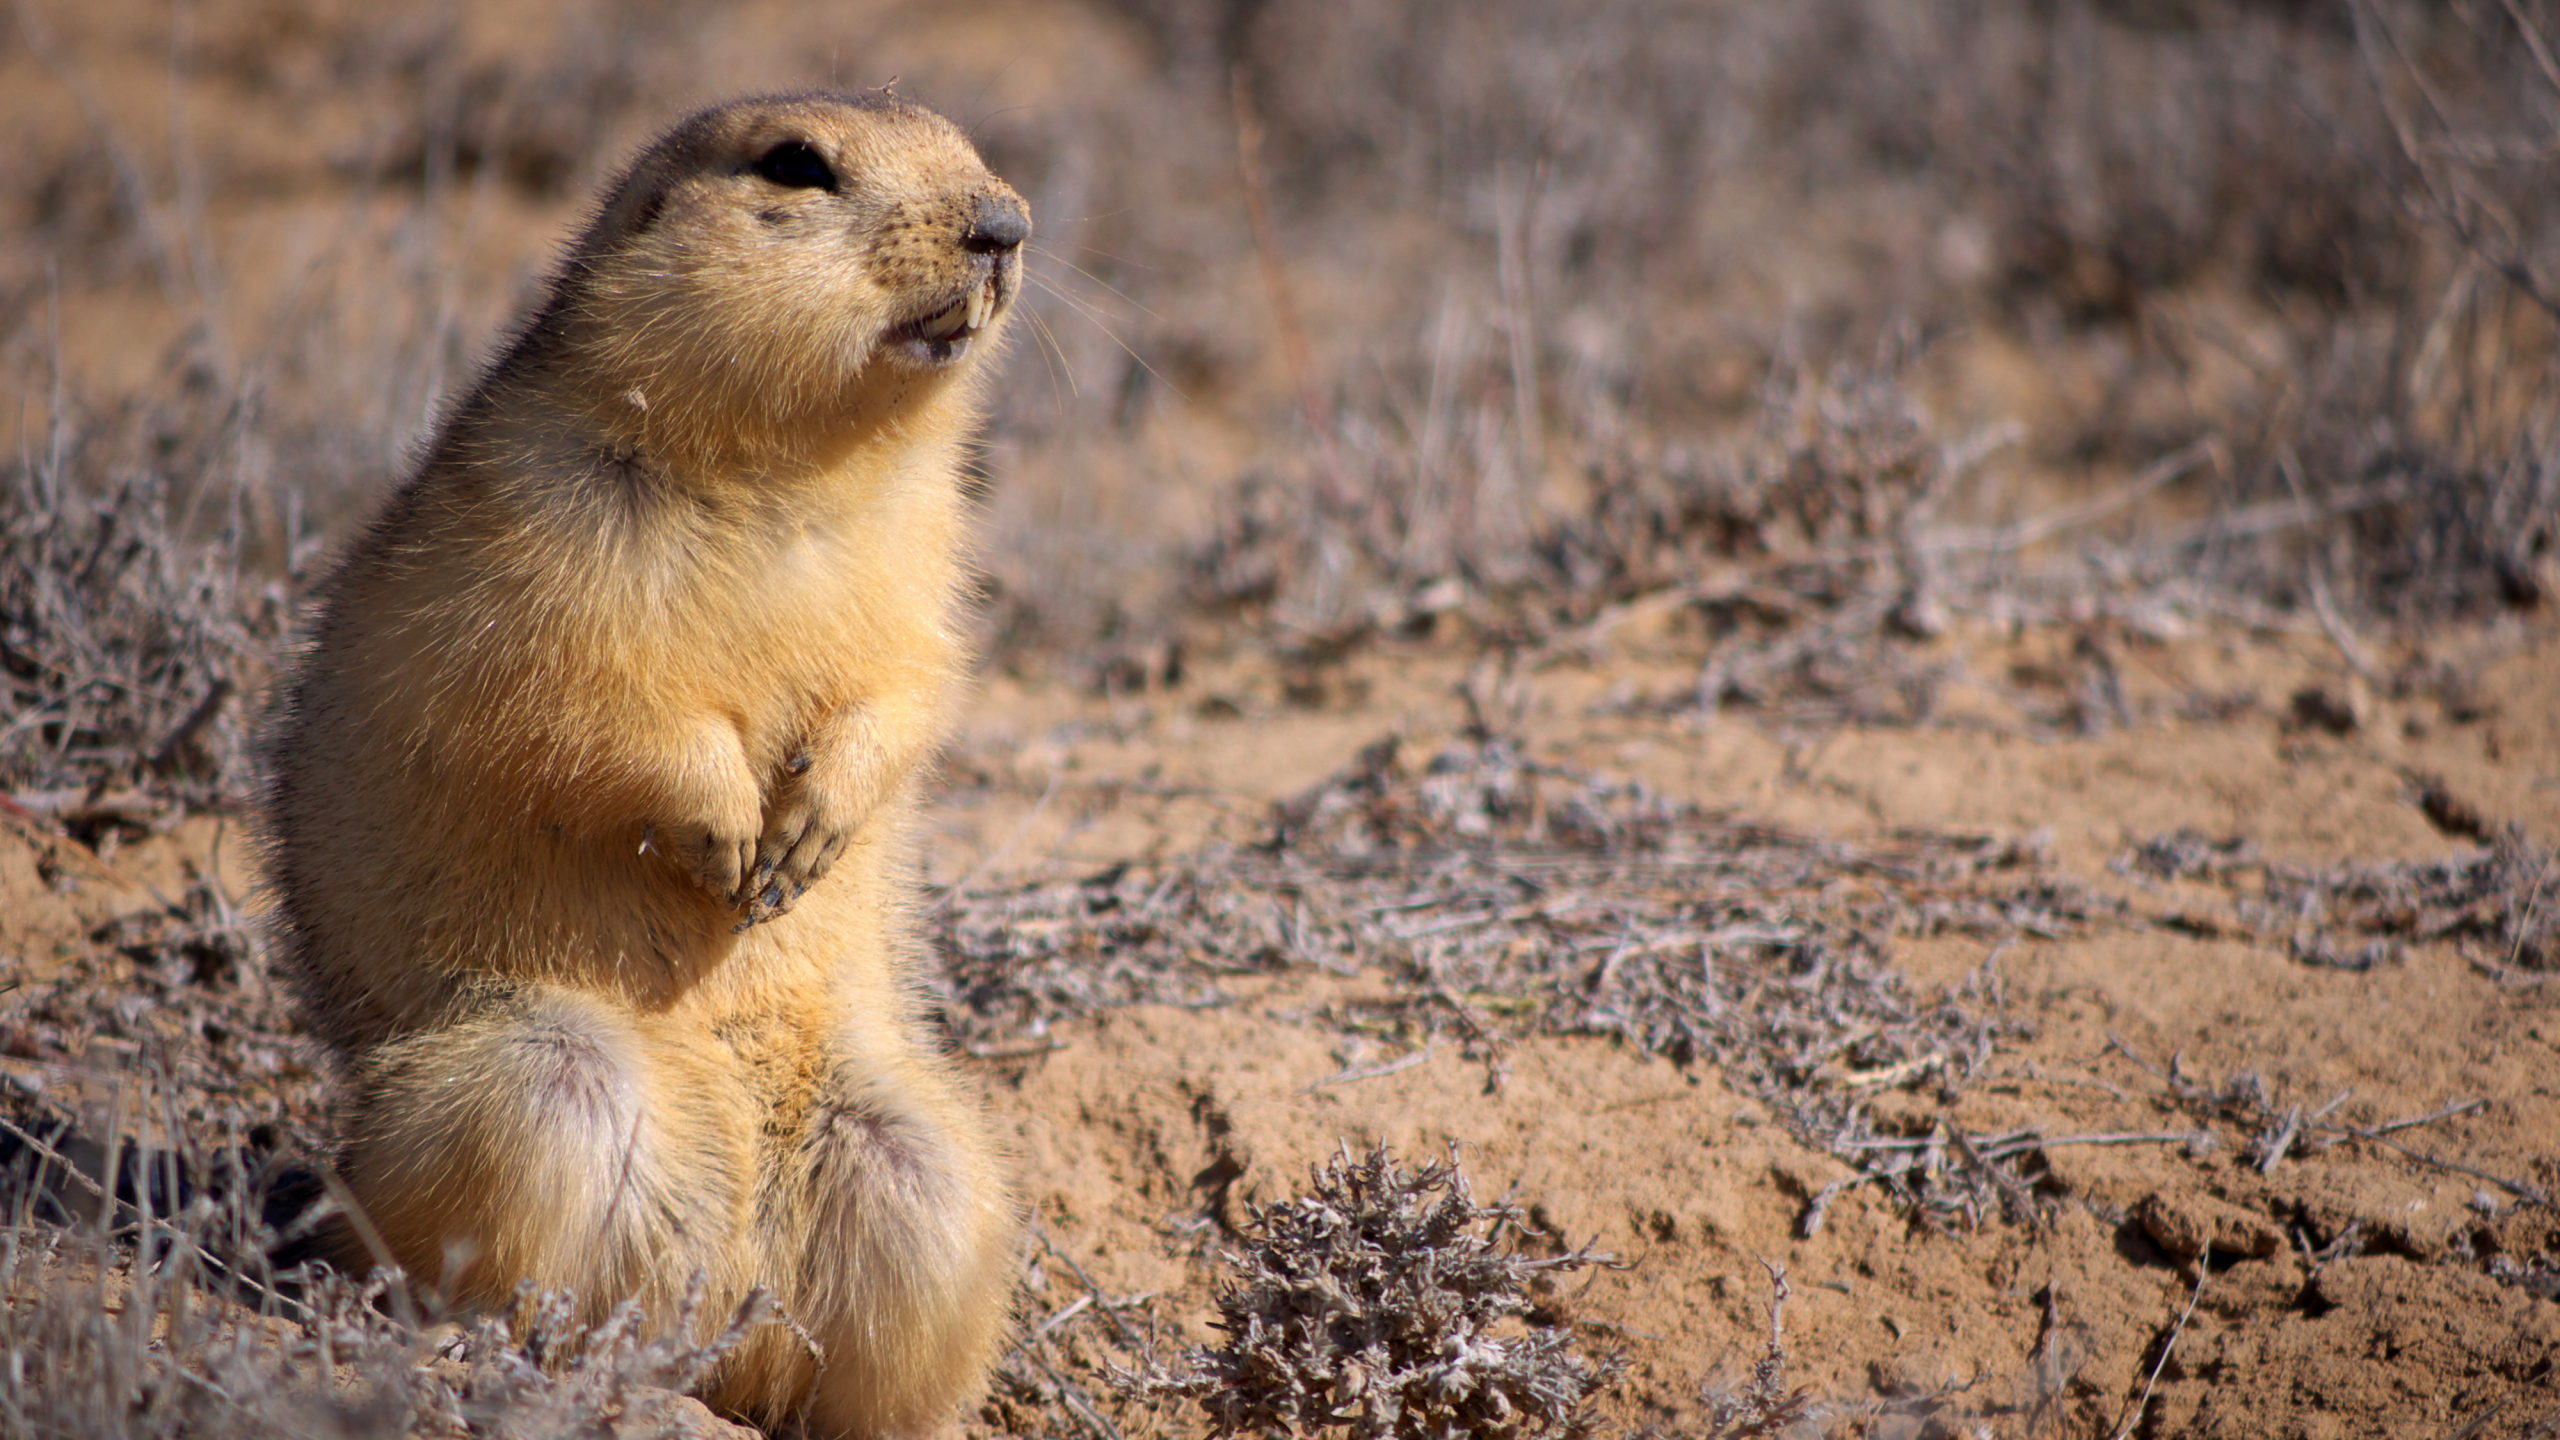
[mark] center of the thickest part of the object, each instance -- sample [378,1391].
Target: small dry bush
[129,654]
[1386,1304]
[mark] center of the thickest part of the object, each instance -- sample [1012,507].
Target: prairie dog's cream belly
[589,828]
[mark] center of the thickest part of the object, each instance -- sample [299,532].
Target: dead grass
[1498,894]
[179,989]
[130,656]
[2495,903]
[1815,527]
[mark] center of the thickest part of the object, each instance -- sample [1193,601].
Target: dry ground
[1145,1117]
[2364,1280]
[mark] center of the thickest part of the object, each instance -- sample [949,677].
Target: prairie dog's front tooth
[978,306]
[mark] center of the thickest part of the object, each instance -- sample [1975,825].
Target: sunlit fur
[672,596]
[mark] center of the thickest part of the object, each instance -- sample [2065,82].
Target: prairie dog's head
[784,263]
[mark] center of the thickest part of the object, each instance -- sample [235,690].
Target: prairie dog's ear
[635,212]
[629,209]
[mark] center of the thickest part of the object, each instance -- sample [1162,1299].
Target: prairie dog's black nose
[1000,224]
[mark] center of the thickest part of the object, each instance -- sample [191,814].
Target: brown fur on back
[589,826]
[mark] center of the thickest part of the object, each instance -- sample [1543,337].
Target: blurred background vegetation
[1807,330]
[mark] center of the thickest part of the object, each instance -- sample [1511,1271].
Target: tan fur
[658,636]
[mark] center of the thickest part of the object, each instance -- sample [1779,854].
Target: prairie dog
[589,826]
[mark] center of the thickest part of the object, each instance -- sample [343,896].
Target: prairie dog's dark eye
[796,166]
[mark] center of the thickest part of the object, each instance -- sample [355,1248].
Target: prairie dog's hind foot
[894,1252]
[527,1143]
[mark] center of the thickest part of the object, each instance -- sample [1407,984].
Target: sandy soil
[2351,1287]
[2400,1330]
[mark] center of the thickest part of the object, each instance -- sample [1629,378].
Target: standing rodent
[589,828]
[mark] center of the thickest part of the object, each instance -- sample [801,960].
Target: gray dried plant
[2493,903]
[123,647]
[1386,1304]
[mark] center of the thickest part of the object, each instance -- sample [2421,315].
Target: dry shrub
[2492,902]
[1763,1404]
[1386,1304]
[1074,1361]
[129,655]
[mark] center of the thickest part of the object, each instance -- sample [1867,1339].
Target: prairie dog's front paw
[721,859]
[705,812]
[805,828]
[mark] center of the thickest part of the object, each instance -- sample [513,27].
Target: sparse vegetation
[129,655]
[2495,902]
[1483,883]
